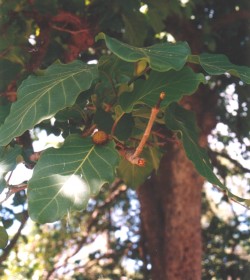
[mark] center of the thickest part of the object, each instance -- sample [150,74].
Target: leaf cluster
[115,97]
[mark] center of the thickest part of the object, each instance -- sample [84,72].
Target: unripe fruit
[140,67]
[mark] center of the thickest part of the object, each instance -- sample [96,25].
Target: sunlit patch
[94,61]
[20,174]
[184,2]
[169,37]
[32,39]
[2,168]
[45,141]
[231,99]
[76,188]
[144,9]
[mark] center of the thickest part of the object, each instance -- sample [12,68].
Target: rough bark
[170,212]
[171,204]
[152,222]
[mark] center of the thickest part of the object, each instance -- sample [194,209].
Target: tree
[144,97]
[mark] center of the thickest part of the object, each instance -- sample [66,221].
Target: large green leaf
[183,121]
[41,97]
[8,162]
[134,175]
[160,57]
[217,64]
[65,178]
[175,84]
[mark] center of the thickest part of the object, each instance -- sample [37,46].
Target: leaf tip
[100,36]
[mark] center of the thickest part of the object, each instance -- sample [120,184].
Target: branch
[235,162]
[133,155]
[70,31]
[115,124]
[94,262]
[116,189]
[154,112]
[12,190]
[14,240]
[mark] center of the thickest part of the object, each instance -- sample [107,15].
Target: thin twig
[14,240]
[155,110]
[89,131]
[230,198]
[116,189]
[69,31]
[9,177]
[235,162]
[12,190]
[115,124]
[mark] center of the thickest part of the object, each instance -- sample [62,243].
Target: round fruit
[100,137]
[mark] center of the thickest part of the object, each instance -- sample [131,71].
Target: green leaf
[124,127]
[7,223]
[160,57]
[103,120]
[156,19]
[8,72]
[8,162]
[65,178]
[135,28]
[183,121]
[175,84]
[217,64]
[75,112]
[3,184]
[41,97]
[134,175]
[3,237]
[116,68]
[4,111]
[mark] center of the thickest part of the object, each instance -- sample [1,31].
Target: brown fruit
[100,137]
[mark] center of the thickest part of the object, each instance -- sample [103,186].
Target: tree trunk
[171,204]
[170,213]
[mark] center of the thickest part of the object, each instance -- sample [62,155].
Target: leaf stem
[115,123]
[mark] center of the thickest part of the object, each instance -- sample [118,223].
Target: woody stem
[155,110]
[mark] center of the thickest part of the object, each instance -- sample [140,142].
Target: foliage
[223,238]
[50,195]
[51,83]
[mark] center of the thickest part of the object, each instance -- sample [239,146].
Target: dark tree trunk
[170,213]
[171,204]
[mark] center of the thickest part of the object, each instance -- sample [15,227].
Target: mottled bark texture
[170,213]
[171,205]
